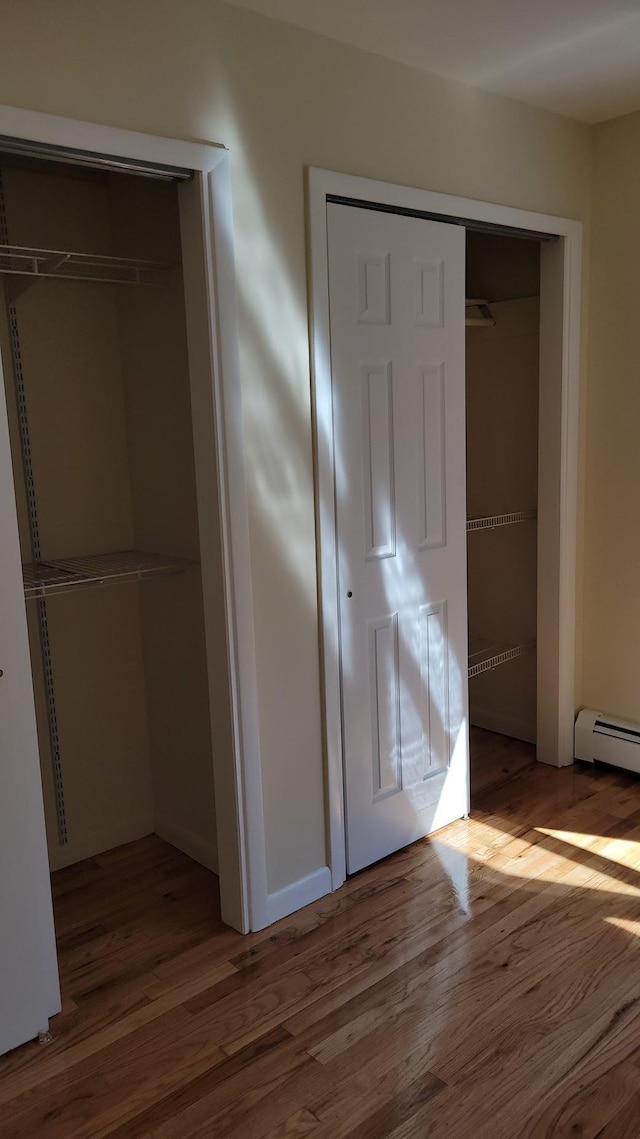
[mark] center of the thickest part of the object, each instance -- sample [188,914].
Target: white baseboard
[96,842]
[188,842]
[301,893]
[504,725]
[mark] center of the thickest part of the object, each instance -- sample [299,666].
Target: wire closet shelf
[485,655]
[67,575]
[21,261]
[492,521]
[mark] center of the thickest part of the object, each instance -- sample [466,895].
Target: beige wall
[165,518]
[612,500]
[281,99]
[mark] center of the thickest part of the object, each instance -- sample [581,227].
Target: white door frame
[210,293]
[560,288]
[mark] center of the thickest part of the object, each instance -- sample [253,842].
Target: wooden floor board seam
[400,1007]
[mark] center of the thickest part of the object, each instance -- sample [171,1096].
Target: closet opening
[502,413]
[388,306]
[93,334]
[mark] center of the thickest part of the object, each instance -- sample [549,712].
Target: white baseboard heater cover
[608,739]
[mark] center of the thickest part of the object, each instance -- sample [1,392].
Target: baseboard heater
[607,739]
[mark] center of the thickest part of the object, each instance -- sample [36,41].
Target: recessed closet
[95,363]
[502,396]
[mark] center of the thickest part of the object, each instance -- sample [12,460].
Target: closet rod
[468,223]
[92,159]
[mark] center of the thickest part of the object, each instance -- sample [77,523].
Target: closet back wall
[502,378]
[165,518]
[502,476]
[69,339]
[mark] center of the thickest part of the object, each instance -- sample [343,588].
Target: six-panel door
[397,357]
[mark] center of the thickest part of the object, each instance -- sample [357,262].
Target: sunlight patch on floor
[625,924]
[473,843]
[622,851]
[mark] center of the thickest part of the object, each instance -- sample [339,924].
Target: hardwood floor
[483,984]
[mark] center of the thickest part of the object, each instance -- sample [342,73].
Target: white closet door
[29,992]
[397,353]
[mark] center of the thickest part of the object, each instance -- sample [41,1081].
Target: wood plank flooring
[484,984]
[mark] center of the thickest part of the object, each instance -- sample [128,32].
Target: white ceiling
[578,57]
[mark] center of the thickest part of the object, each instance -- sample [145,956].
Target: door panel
[385,705]
[29,992]
[397,352]
[379,501]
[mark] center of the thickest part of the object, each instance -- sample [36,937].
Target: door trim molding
[559,367]
[209,274]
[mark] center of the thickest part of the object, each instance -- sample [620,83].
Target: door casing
[560,298]
[210,294]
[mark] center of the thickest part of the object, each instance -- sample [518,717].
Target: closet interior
[502,385]
[94,354]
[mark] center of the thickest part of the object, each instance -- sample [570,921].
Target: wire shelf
[487,655]
[66,575]
[494,520]
[21,261]
[484,319]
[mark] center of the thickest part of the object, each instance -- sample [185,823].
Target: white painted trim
[323,182]
[95,842]
[298,894]
[326,525]
[242,864]
[187,841]
[55,131]
[560,270]
[239,809]
[320,184]
[569,452]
